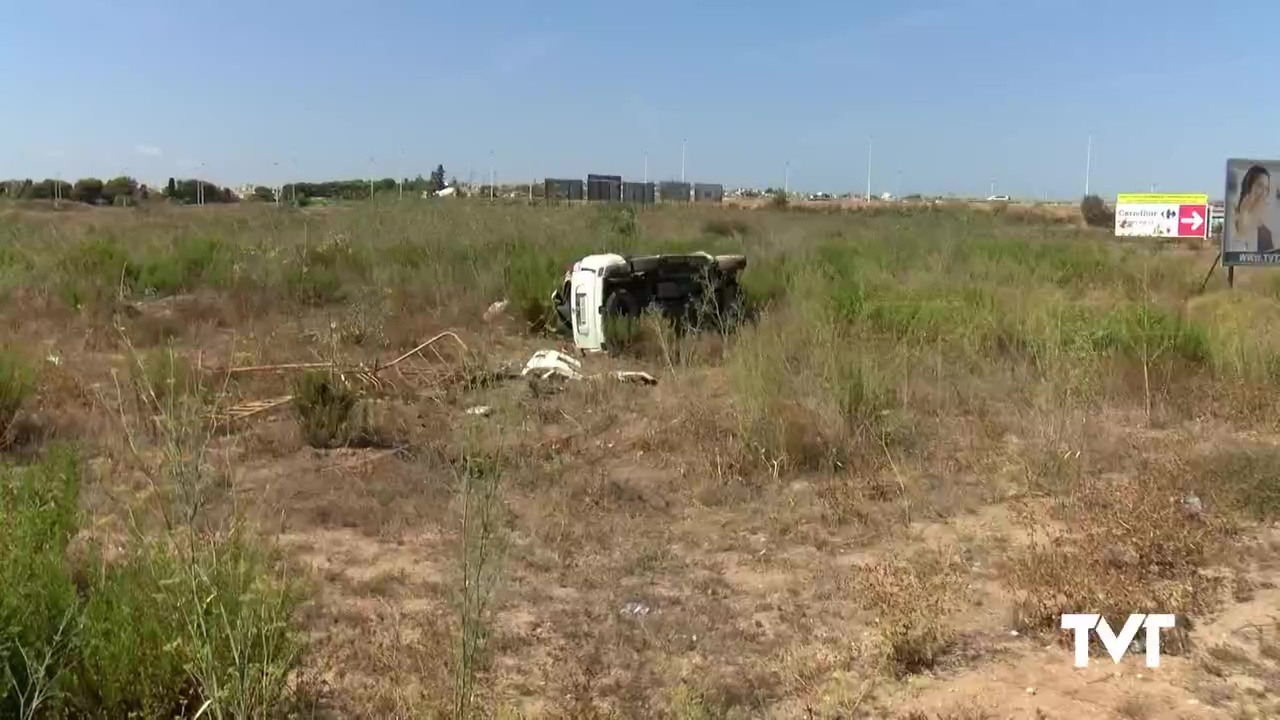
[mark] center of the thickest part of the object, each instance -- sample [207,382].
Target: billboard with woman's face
[1252,213]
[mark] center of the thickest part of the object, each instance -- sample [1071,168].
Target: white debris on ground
[481,410]
[496,310]
[553,363]
[643,378]
[636,609]
[546,363]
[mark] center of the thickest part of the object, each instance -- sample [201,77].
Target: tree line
[357,189]
[122,190]
[125,190]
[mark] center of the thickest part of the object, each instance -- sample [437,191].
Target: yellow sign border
[1161,199]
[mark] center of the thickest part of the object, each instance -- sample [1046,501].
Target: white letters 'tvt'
[1117,645]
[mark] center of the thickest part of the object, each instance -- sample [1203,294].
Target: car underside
[686,288]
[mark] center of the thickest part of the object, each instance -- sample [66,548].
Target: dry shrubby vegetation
[941,428]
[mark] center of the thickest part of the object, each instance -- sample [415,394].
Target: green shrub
[94,272]
[325,408]
[317,275]
[165,628]
[1096,213]
[16,386]
[190,264]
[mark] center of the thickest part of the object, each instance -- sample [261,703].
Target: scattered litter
[481,410]
[1014,633]
[495,310]
[370,376]
[643,378]
[547,363]
[1031,691]
[636,609]
[54,359]
[1192,505]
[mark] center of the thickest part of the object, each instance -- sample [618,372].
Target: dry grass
[947,424]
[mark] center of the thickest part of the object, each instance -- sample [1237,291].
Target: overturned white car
[693,290]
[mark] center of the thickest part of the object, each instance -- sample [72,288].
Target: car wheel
[621,318]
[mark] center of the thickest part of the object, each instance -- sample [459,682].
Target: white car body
[586,298]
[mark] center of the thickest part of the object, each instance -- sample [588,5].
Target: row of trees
[358,189]
[125,190]
[121,190]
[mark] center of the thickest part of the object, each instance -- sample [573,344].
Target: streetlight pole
[1088,164]
[869,169]
[683,146]
[786,180]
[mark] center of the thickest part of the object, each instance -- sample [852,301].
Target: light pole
[869,169]
[786,180]
[490,175]
[683,146]
[1088,164]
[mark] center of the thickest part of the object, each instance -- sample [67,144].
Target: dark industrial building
[643,193]
[673,191]
[604,188]
[708,192]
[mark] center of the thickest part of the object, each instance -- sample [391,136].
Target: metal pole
[683,145]
[868,169]
[646,166]
[1088,164]
[786,180]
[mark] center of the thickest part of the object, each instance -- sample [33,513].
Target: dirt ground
[647,565]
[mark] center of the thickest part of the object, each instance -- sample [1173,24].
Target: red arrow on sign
[1192,221]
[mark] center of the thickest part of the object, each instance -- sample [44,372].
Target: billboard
[708,192]
[674,191]
[1250,214]
[607,188]
[1162,215]
[638,192]
[559,189]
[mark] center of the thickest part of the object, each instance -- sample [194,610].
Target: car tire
[620,305]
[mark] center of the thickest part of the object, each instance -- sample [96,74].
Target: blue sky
[954,93]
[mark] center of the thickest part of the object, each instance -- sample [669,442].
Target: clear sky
[954,93]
